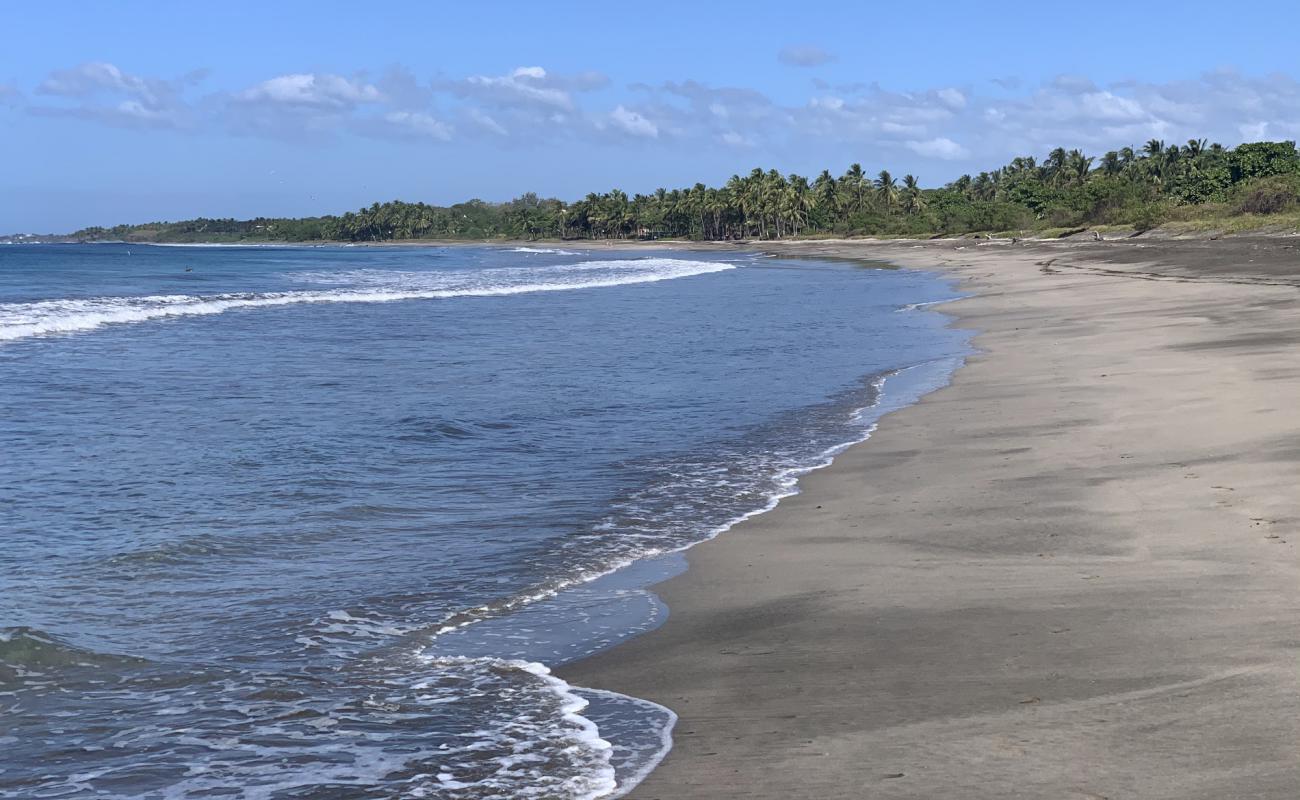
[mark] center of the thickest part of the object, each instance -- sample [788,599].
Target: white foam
[923,378]
[582,732]
[919,306]
[545,250]
[643,770]
[786,480]
[281,245]
[25,320]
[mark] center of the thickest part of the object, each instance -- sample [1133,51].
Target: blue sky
[135,111]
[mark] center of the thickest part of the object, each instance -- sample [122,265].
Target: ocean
[286,522]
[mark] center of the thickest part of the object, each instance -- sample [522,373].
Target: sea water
[318,522]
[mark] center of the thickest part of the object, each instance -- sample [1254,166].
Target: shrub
[1268,195]
[1146,216]
[1261,159]
[980,215]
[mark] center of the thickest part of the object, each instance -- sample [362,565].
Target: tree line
[1137,187]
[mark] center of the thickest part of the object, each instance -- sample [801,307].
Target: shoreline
[1042,580]
[1156,237]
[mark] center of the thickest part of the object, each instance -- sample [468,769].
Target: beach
[1070,573]
[407,473]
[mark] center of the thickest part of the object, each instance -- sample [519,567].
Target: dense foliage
[1123,187]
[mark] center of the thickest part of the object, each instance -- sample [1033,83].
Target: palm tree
[1055,166]
[617,212]
[913,200]
[591,214]
[1022,164]
[801,201]
[715,204]
[699,195]
[886,190]
[738,191]
[1077,167]
[773,190]
[826,191]
[855,182]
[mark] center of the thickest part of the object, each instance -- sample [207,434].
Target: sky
[141,111]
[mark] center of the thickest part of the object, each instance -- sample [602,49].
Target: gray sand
[1071,574]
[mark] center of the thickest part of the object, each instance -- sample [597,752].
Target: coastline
[1069,573]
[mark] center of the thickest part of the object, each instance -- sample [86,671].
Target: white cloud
[311,91]
[901,129]
[633,123]
[137,110]
[103,92]
[487,123]
[953,98]
[532,106]
[733,139]
[939,147]
[418,124]
[525,86]
[1109,107]
[688,110]
[1253,130]
[93,77]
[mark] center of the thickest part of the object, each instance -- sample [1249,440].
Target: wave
[29,654]
[698,489]
[919,306]
[641,729]
[378,727]
[281,245]
[545,250]
[686,502]
[515,729]
[26,320]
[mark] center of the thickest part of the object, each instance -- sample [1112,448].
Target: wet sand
[1070,574]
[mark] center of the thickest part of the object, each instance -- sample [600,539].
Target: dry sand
[1071,574]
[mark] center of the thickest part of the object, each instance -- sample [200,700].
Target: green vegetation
[1182,186]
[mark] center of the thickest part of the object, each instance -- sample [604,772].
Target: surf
[74,315]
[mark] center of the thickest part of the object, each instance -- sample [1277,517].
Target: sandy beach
[1071,573]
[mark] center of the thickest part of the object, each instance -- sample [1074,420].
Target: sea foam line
[788,481]
[545,251]
[26,320]
[919,306]
[665,743]
[582,731]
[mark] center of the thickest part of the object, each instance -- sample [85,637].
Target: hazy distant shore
[1071,573]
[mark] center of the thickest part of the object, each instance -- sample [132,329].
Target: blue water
[313,522]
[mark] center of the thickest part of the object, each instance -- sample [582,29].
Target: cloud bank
[530,106]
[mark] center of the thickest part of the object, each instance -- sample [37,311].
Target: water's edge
[896,390]
[522,729]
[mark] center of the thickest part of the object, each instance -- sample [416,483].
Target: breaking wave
[71,315]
